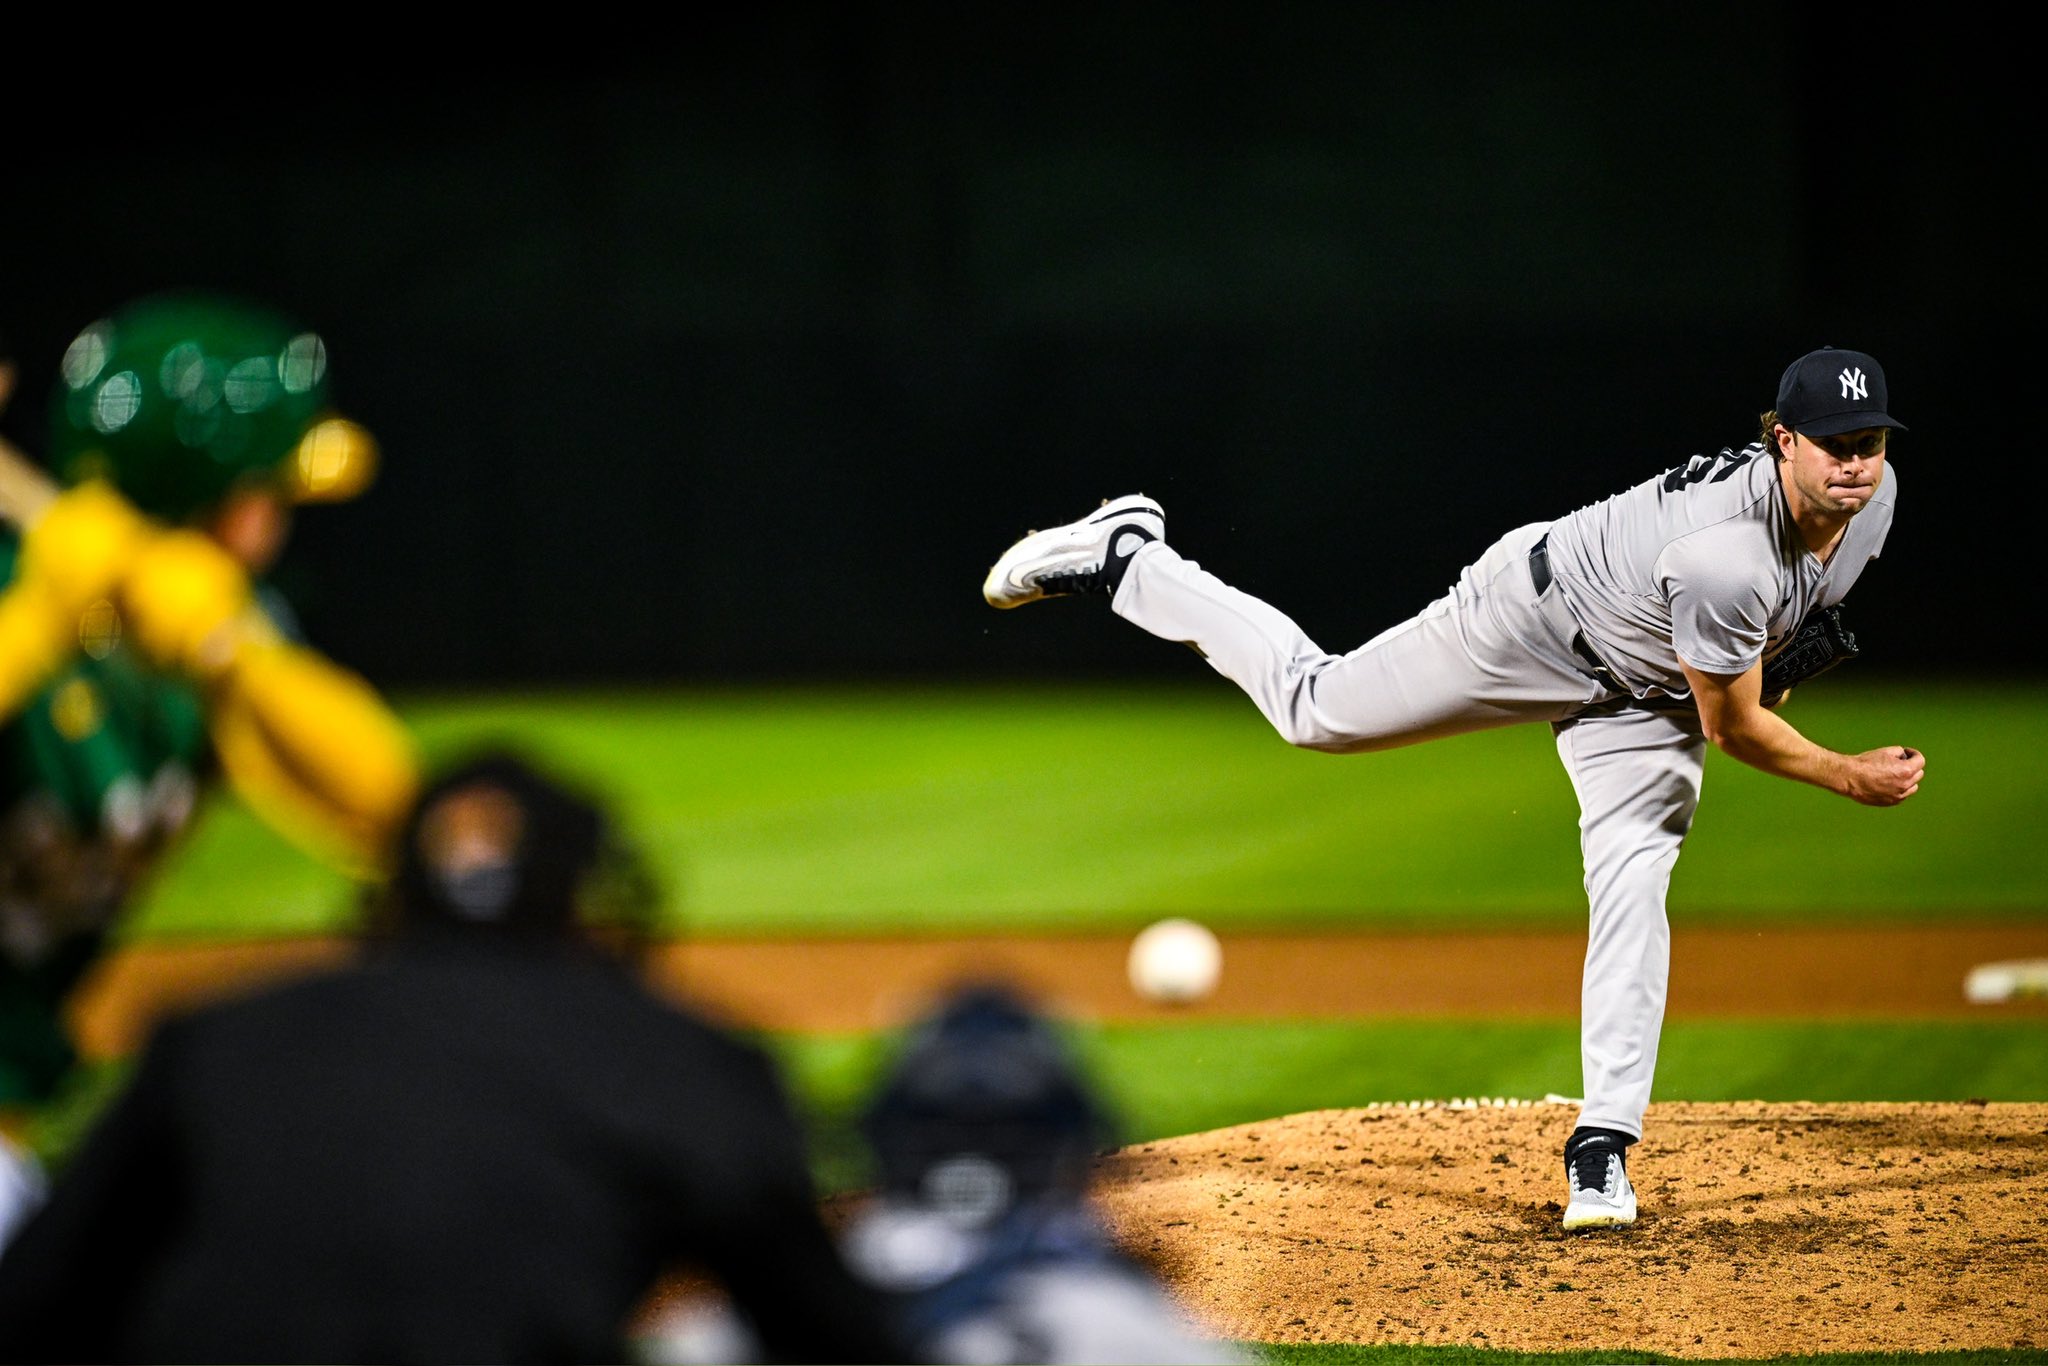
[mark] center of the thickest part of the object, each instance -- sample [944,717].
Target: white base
[1988,983]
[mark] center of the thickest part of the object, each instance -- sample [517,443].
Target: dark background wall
[739,351]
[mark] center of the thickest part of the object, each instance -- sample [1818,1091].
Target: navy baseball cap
[1831,391]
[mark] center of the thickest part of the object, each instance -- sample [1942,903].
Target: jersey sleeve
[1720,613]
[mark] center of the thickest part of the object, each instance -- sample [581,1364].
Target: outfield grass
[855,810]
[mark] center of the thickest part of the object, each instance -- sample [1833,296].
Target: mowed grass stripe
[858,810]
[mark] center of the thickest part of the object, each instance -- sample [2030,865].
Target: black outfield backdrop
[739,359]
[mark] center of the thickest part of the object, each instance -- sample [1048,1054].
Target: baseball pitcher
[1641,628]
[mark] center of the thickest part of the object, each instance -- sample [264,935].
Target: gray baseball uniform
[1580,623]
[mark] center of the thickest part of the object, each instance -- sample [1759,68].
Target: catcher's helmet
[176,398]
[985,1084]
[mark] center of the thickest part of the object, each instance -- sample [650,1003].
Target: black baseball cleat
[1596,1171]
[1086,556]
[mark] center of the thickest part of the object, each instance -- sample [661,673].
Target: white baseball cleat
[1601,1194]
[1086,556]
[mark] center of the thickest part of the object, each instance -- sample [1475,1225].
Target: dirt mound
[1766,1229]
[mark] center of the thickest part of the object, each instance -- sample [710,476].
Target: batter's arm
[309,745]
[1735,719]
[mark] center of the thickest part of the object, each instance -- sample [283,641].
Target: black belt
[1539,564]
[1539,570]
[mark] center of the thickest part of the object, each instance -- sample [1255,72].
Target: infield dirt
[1766,1229]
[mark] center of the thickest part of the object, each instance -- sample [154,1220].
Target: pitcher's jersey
[1702,563]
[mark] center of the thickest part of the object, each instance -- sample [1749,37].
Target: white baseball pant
[1490,652]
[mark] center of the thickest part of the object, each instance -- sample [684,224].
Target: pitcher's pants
[1491,651]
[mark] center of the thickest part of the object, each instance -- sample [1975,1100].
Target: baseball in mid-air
[1175,961]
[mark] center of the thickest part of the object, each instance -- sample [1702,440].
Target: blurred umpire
[485,1141]
[143,659]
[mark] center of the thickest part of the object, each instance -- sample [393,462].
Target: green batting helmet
[177,398]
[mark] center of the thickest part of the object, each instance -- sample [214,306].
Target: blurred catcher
[984,1230]
[142,661]
[982,1236]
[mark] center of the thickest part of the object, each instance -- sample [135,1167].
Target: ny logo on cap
[1853,385]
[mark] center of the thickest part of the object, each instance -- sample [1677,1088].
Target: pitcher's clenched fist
[1886,777]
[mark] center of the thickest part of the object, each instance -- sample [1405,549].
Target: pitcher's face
[1835,475]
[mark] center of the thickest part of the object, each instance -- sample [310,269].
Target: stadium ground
[1768,1228]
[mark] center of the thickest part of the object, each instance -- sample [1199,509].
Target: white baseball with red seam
[1175,961]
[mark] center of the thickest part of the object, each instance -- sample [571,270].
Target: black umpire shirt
[460,1149]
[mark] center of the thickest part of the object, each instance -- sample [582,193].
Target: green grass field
[838,811]
[855,811]
[827,811]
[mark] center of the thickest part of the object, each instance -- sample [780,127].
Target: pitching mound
[1765,1230]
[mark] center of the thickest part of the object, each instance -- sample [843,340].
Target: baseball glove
[1820,643]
